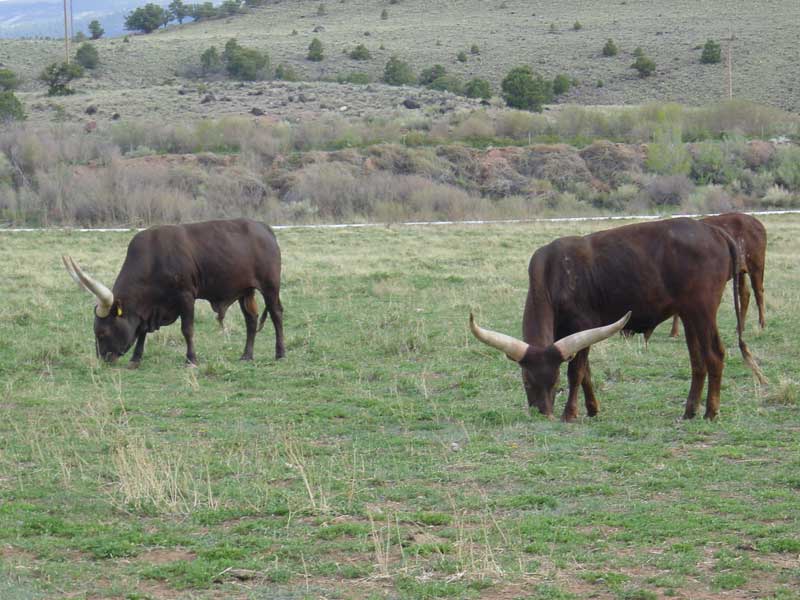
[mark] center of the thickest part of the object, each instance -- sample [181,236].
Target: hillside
[142,77]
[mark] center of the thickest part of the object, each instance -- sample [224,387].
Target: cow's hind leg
[577,373]
[674,331]
[699,370]
[275,308]
[715,362]
[250,312]
[757,281]
[744,297]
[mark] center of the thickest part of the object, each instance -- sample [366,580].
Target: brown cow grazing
[751,238]
[646,272]
[167,268]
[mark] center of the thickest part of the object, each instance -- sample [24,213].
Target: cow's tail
[263,318]
[736,276]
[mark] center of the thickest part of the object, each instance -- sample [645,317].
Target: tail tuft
[751,362]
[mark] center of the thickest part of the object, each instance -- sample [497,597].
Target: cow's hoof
[134,364]
[191,363]
[688,416]
[710,416]
[569,418]
[246,357]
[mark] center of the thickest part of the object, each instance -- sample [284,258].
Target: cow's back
[213,260]
[749,234]
[651,268]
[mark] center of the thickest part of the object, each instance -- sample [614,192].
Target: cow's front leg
[576,371]
[187,328]
[136,359]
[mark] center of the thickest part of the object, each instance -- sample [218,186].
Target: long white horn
[105,297]
[572,344]
[515,349]
[72,272]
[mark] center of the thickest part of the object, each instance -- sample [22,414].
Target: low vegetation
[87,56]
[479,164]
[712,53]
[58,76]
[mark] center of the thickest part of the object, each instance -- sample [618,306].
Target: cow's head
[541,364]
[114,328]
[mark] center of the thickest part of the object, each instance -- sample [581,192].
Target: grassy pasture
[390,454]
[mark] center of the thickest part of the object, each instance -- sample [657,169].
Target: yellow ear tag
[119,311]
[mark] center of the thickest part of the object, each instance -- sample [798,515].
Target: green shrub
[360,52]
[788,170]
[355,78]
[321,10]
[637,52]
[87,56]
[201,12]
[478,88]
[610,49]
[243,63]
[58,76]
[178,11]
[667,155]
[431,74]
[447,83]
[210,60]
[644,66]
[146,18]
[10,107]
[561,84]
[714,163]
[229,7]
[577,26]
[8,80]
[461,57]
[95,30]
[522,88]
[285,72]
[712,53]
[553,28]
[398,72]
[384,14]
[474,49]
[315,50]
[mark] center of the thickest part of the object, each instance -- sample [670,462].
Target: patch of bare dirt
[15,555]
[161,556]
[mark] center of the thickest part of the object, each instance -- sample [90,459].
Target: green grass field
[390,455]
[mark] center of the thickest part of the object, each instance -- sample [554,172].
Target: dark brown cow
[168,268]
[751,238]
[651,271]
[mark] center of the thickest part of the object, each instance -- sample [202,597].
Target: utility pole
[66,34]
[730,65]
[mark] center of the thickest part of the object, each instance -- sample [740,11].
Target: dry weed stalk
[298,461]
[164,482]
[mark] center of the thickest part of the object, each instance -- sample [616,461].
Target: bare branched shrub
[476,125]
[668,190]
